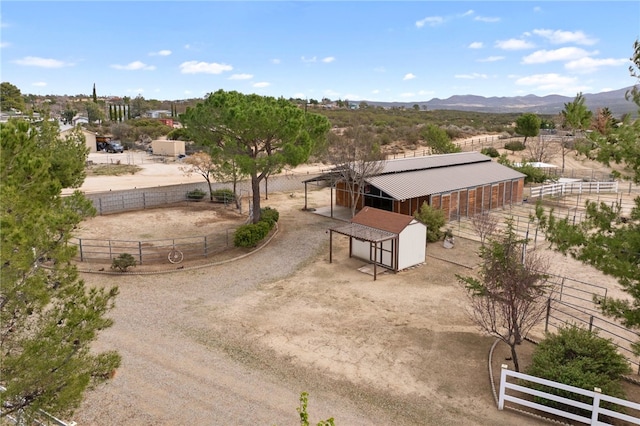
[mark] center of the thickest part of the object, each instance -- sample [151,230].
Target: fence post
[503,381]
[80,248]
[546,321]
[561,288]
[144,200]
[205,247]
[140,251]
[591,323]
[595,411]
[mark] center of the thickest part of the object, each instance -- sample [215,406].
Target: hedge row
[251,234]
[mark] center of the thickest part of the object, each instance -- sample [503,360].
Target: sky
[386,51]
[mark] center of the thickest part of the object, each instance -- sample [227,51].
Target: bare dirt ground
[235,343]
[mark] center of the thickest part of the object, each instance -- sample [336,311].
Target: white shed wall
[364,250]
[412,250]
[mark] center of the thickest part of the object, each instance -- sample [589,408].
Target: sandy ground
[236,343]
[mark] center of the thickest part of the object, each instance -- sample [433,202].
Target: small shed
[392,240]
[168,148]
[90,138]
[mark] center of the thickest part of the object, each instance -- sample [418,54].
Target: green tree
[68,114]
[438,140]
[263,134]
[48,317]
[10,97]
[433,218]
[304,415]
[507,297]
[607,240]
[95,112]
[138,107]
[94,96]
[528,125]
[575,116]
[578,357]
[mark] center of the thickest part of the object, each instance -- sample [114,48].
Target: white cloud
[4,44]
[160,53]
[39,84]
[134,66]
[425,92]
[195,67]
[491,59]
[537,9]
[562,37]
[375,91]
[476,45]
[380,69]
[328,59]
[514,44]
[261,84]
[241,77]
[472,76]
[468,13]
[552,83]
[431,21]
[34,61]
[562,54]
[489,19]
[308,60]
[586,65]
[275,61]
[138,91]
[407,95]
[409,76]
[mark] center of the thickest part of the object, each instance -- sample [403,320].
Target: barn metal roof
[420,183]
[403,165]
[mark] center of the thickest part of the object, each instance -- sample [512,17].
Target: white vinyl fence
[568,188]
[594,408]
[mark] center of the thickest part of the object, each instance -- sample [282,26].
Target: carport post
[375,261]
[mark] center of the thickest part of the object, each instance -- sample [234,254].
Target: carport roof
[420,183]
[364,233]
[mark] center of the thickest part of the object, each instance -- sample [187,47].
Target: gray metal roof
[420,183]
[432,161]
[364,233]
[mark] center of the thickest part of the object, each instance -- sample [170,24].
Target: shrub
[123,262]
[433,218]
[490,151]
[224,195]
[269,215]
[514,146]
[196,194]
[578,357]
[251,234]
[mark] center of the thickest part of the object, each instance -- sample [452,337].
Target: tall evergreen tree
[48,317]
[95,96]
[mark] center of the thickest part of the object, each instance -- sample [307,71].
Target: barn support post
[330,246]
[332,201]
[305,196]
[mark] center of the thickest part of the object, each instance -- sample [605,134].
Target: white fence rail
[595,408]
[568,188]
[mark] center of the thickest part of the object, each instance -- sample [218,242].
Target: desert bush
[578,357]
[251,234]
[514,146]
[224,195]
[123,262]
[490,151]
[196,194]
[269,215]
[433,218]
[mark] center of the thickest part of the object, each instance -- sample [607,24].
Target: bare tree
[485,225]
[201,163]
[356,157]
[507,298]
[541,149]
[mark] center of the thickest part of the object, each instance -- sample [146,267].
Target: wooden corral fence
[595,409]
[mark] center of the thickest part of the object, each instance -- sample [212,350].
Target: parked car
[114,147]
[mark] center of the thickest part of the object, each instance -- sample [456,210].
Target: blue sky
[361,50]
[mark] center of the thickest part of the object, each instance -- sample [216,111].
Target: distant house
[460,184]
[392,240]
[90,137]
[159,113]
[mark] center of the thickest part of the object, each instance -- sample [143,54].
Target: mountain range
[550,104]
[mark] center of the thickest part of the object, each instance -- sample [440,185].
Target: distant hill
[551,104]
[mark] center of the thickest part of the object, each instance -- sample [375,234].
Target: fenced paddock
[523,395]
[154,251]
